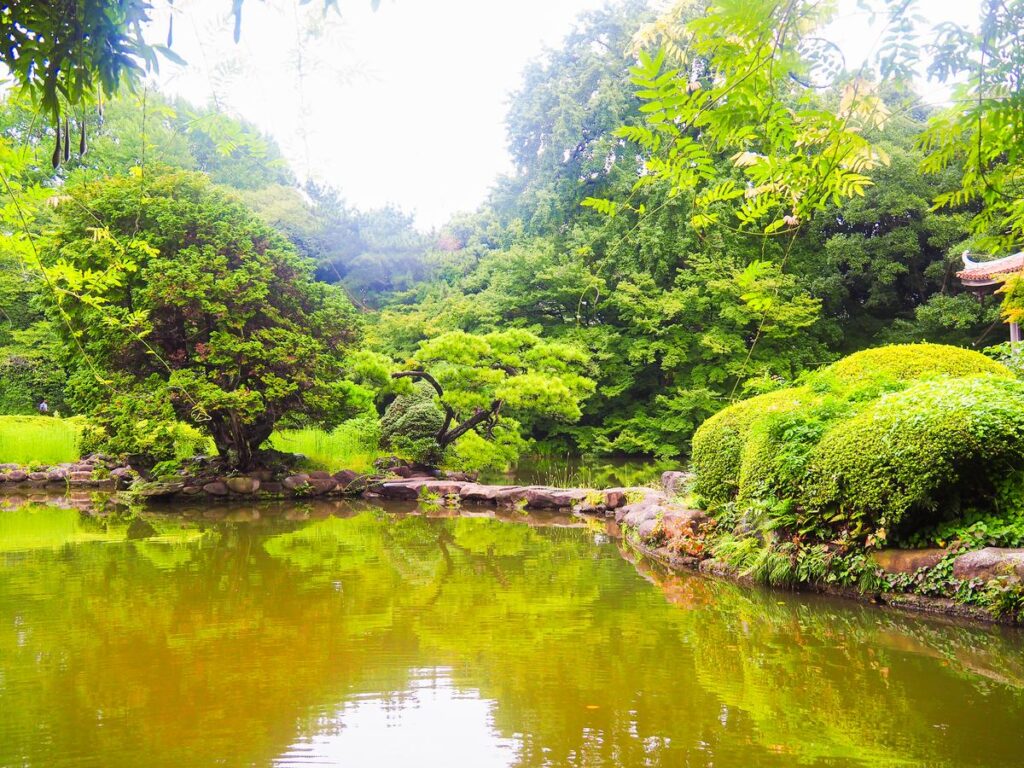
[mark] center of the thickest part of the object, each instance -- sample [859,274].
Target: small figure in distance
[43,408]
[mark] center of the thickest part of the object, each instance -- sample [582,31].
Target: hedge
[762,447]
[918,450]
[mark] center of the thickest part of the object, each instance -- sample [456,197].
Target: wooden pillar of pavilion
[984,277]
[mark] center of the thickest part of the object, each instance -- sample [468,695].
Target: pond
[357,635]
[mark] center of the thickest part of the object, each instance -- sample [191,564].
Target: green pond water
[337,635]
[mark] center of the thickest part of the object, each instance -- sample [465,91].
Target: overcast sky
[404,105]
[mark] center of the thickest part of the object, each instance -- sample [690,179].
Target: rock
[318,486]
[398,489]
[38,477]
[17,476]
[481,493]
[295,482]
[320,474]
[216,488]
[614,497]
[80,477]
[243,485]
[634,514]
[990,563]
[440,489]
[674,482]
[907,560]
[680,521]
[554,498]
[512,494]
[464,477]
[350,483]
[8,466]
[158,490]
[57,475]
[192,490]
[271,487]
[648,505]
[647,529]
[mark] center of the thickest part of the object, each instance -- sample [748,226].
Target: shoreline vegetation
[890,476]
[659,523]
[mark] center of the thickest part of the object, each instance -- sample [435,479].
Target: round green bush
[905,362]
[719,442]
[411,423]
[759,447]
[918,451]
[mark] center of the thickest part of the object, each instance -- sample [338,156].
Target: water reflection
[349,635]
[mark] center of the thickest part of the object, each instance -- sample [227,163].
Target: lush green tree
[479,379]
[980,135]
[68,52]
[174,285]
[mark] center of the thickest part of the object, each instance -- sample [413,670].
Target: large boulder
[907,561]
[399,489]
[674,482]
[295,482]
[475,492]
[243,485]
[554,498]
[644,508]
[216,488]
[318,486]
[679,521]
[990,563]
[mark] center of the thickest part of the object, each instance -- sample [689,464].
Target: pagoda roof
[984,273]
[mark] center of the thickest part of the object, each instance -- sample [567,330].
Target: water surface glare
[337,635]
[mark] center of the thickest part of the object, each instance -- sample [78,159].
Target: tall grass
[352,445]
[38,439]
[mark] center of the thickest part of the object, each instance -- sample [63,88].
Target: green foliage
[911,456]
[353,444]
[499,452]
[903,362]
[720,442]
[39,439]
[411,424]
[139,421]
[734,82]
[979,136]
[827,444]
[168,279]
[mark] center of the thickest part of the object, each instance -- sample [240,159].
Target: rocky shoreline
[652,520]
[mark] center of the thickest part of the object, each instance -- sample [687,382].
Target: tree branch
[480,415]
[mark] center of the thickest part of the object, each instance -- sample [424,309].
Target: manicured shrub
[873,370]
[411,423]
[918,451]
[719,442]
[759,448]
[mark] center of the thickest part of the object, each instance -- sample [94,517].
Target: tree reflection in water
[249,635]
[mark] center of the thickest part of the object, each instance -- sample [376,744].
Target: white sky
[405,105]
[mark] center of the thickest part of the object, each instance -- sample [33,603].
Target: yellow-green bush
[762,447]
[719,442]
[918,450]
[899,363]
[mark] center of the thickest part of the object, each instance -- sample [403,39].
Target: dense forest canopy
[704,205]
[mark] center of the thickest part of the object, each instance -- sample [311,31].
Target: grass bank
[38,439]
[346,447]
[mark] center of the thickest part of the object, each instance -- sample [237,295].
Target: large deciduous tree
[172,282]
